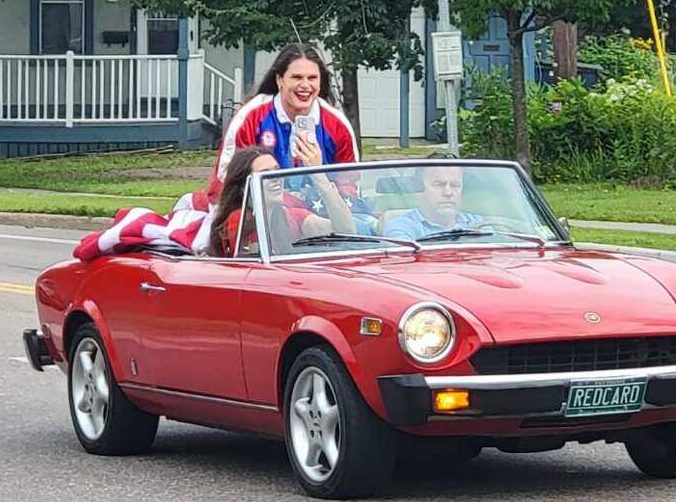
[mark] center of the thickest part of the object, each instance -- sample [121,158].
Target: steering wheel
[500,224]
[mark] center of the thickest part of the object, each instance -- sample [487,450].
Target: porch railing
[73,88]
[220,91]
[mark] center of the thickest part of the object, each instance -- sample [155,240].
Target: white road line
[38,239]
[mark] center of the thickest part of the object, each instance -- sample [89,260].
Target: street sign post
[447,47]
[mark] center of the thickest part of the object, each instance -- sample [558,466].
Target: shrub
[486,114]
[623,132]
[620,56]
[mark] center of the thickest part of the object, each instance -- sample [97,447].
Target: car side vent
[583,355]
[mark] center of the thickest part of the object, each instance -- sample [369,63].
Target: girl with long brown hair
[291,222]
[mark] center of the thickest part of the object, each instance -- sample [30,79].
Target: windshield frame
[255,186]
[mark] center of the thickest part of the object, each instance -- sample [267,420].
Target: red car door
[192,341]
[124,307]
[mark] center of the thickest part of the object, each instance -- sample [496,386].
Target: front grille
[583,355]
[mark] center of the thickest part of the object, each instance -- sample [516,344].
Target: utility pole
[565,49]
[450,85]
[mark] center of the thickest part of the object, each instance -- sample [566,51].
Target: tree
[635,19]
[523,16]
[367,33]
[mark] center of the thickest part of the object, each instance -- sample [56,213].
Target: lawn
[606,202]
[78,205]
[167,174]
[623,238]
[175,173]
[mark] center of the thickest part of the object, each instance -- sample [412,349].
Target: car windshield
[404,204]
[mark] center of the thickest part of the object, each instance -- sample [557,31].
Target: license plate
[605,397]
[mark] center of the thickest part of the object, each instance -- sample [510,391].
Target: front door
[492,50]
[193,342]
[157,34]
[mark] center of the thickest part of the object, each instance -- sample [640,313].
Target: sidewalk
[631,227]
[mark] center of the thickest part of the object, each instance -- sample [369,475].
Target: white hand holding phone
[305,127]
[304,141]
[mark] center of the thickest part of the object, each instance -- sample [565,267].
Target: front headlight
[427,332]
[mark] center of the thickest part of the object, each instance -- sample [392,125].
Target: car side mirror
[563,221]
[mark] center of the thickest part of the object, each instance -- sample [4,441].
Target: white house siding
[14,27]
[109,16]
[225,60]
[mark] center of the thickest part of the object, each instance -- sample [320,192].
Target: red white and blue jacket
[262,121]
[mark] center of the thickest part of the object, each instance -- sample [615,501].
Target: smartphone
[305,124]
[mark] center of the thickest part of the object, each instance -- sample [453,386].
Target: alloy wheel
[315,424]
[90,388]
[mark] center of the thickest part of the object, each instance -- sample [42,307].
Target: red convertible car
[455,306]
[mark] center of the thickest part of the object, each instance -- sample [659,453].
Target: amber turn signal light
[451,400]
[371,326]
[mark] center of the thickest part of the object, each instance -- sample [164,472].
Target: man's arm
[401,227]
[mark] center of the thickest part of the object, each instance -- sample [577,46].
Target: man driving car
[437,209]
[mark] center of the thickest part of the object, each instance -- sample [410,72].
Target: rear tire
[653,449]
[105,421]
[337,446]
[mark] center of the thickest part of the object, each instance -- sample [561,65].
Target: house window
[61,26]
[162,34]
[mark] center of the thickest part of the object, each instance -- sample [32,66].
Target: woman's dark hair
[232,197]
[287,56]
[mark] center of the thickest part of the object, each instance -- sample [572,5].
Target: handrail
[214,97]
[219,73]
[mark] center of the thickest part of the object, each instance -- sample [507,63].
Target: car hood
[530,295]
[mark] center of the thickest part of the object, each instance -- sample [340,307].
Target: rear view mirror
[400,184]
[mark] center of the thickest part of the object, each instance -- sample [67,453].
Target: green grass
[612,203]
[76,205]
[120,174]
[108,206]
[155,174]
[625,238]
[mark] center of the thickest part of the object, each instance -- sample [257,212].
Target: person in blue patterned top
[437,209]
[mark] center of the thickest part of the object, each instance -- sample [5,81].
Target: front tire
[105,421]
[653,449]
[337,446]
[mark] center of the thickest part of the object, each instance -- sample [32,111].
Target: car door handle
[146,287]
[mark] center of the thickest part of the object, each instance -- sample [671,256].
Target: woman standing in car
[298,83]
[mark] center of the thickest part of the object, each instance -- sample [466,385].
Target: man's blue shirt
[413,225]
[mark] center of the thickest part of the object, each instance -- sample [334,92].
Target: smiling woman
[296,88]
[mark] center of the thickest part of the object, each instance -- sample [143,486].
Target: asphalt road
[40,457]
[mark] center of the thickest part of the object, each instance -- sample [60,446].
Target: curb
[31,220]
[656,228]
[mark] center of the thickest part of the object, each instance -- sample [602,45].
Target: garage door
[379,97]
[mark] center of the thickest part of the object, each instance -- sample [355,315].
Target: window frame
[159,16]
[36,24]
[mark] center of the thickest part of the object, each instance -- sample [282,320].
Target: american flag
[186,229]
